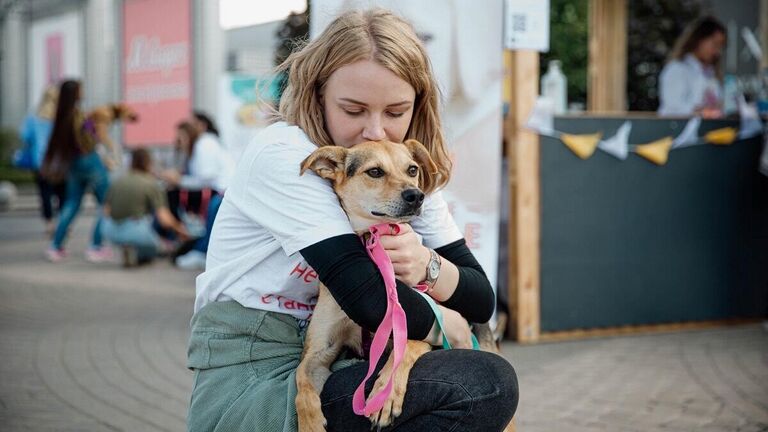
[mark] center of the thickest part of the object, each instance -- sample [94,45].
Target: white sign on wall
[55,52]
[526,25]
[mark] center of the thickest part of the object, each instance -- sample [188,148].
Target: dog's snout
[413,196]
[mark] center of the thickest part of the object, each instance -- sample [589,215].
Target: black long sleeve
[473,297]
[343,265]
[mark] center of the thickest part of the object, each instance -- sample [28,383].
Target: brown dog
[102,118]
[376,182]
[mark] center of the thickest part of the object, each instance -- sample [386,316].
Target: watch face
[434,269]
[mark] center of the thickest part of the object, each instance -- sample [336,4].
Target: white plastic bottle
[730,95]
[554,87]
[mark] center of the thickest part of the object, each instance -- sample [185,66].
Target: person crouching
[134,203]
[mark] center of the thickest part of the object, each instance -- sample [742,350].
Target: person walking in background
[691,81]
[133,203]
[208,167]
[72,157]
[35,134]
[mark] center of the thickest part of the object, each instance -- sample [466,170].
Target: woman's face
[710,48]
[198,124]
[182,140]
[365,101]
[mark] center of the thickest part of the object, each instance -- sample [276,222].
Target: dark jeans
[456,390]
[47,192]
[201,245]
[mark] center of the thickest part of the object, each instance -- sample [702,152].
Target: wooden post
[764,32]
[607,70]
[525,213]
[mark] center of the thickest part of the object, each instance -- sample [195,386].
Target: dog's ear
[428,167]
[327,162]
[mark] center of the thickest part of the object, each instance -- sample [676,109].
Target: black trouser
[47,191]
[448,390]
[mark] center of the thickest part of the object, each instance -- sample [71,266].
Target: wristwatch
[433,270]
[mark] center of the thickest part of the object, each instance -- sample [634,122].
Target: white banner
[55,53]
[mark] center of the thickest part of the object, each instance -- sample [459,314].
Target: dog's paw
[312,423]
[386,415]
[310,414]
[393,406]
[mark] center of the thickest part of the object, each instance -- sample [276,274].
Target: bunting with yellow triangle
[584,146]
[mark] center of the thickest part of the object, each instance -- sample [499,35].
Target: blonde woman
[366,78]
[34,133]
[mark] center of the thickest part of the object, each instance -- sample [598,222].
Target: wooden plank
[640,329]
[607,70]
[525,213]
[764,32]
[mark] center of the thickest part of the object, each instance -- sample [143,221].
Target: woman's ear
[327,162]
[428,167]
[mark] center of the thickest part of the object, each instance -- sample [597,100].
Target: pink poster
[157,79]
[54,58]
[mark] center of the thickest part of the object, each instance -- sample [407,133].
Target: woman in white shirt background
[207,167]
[691,81]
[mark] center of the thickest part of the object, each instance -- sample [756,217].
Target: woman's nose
[374,131]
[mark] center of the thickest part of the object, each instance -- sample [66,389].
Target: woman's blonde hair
[390,41]
[47,107]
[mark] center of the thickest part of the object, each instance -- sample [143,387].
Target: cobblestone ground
[89,347]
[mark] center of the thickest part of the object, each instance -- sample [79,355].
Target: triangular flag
[722,136]
[657,151]
[690,134]
[750,121]
[541,118]
[582,145]
[617,145]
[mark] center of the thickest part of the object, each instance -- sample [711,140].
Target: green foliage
[569,43]
[9,142]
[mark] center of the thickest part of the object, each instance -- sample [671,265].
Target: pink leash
[393,323]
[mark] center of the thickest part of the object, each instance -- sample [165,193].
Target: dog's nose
[413,196]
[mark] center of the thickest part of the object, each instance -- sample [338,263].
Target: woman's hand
[409,257]
[456,328]
[170,176]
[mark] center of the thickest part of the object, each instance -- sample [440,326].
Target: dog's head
[377,181]
[107,114]
[125,113]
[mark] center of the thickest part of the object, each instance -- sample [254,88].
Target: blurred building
[155,54]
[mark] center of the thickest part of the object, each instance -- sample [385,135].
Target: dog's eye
[413,170]
[375,172]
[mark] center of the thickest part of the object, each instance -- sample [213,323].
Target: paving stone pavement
[94,347]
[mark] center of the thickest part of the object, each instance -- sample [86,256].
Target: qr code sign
[519,23]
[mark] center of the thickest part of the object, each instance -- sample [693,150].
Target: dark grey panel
[629,242]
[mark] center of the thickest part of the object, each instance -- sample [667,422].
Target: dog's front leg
[329,331]
[393,406]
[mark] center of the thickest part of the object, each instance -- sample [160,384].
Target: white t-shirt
[687,85]
[210,166]
[270,213]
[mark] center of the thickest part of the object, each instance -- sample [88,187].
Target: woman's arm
[462,284]
[343,265]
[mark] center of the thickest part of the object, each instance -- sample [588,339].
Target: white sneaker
[192,260]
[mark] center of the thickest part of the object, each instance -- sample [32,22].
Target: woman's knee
[488,378]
